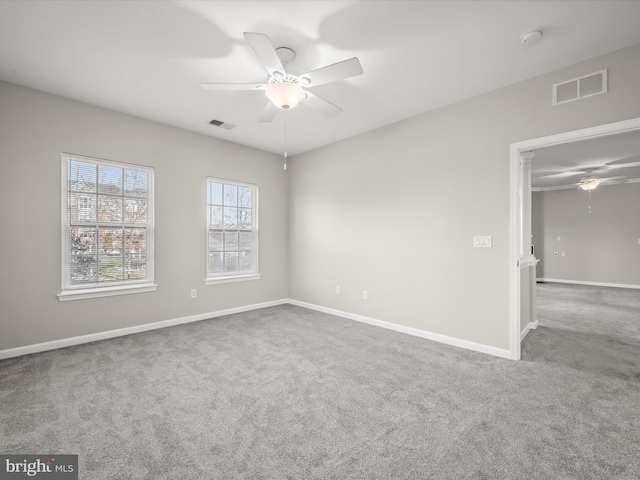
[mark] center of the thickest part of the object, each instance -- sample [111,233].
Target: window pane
[135,183]
[135,242]
[82,207]
[245,261]
[135,253]
[135,268]
[231,261]
[83,240]
[82,177]
[216,238]
[110,268]
[83,261]
[215,220]
[109,209]
[109,180]
[110,256]
[245,241]
[110,241]
[244,217]
[216,264]
[230,241]
[230,195]
[83,269]
[230,217]
[214,193]
[135,210]
[244,197]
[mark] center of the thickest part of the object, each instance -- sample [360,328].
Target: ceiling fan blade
[622,165]
[263,47]
[233,86]
[332,73]
[322,105]
[268,114]
[615,182]
[613,179]
[545,175]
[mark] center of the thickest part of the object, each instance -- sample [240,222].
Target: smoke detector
[530,37]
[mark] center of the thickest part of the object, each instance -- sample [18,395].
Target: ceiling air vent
[580,87]
[225,125]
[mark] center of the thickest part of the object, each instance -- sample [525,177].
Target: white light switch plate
[482,241]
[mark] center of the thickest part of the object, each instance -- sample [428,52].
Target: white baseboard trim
[68,342]
[528,327]
[595,284]
[436,337]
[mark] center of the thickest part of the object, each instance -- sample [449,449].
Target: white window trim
[240,276]
[231,278]
[79,292]
[110,291]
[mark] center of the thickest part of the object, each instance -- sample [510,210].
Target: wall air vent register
[580,87]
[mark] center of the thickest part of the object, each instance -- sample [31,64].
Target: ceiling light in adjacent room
[589,184]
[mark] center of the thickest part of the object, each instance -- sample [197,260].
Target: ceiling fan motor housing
[286,55]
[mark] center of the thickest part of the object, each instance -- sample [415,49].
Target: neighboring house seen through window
[107,229]
[232,231]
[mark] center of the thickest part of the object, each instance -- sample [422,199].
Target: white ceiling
[148,58]
[563,165]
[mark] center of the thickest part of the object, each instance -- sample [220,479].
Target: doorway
[521,259]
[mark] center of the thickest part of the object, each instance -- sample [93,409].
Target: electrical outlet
[365,295]
[194,293]
[563,254]
[337,290]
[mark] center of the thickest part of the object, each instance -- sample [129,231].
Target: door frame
[520,217]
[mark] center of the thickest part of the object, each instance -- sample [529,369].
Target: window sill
[85,293]
[231,278]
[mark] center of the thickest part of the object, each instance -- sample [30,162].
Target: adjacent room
[320,239]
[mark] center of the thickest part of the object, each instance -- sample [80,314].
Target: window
[107,228]
[232,231]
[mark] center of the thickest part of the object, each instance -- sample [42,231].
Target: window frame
[93,290]
[226,277]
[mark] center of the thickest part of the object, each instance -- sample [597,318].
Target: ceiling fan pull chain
[285,140]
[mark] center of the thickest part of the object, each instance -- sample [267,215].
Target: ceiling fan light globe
[591,184]
[285,95]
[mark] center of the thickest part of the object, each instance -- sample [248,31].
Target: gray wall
[35,128]
[601,246]
[393,211]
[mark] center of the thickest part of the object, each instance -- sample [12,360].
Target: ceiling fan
[592,181]
[285,90]
[593,176]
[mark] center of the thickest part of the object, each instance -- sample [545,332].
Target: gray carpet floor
[289,393]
